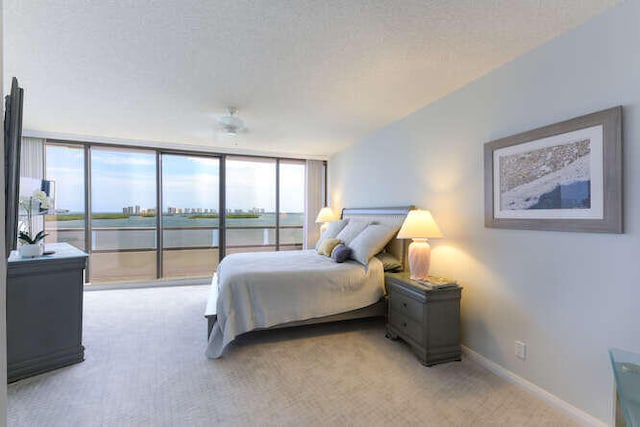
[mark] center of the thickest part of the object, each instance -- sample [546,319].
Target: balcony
[120,254]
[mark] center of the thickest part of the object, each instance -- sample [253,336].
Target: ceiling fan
[230,123]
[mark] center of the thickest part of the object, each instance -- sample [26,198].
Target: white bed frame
[389,216]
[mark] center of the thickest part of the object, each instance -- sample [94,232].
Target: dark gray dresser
[44,311]
[427,319]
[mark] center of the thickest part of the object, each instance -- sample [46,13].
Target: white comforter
[260,290]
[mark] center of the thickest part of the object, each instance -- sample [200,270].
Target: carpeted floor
[145,366]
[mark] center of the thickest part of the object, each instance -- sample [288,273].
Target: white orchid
[41,196]
[33,204]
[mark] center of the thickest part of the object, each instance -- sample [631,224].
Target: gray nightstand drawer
[407,326]
[427,319]
[407,306]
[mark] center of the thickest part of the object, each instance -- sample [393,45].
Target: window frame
[159,152]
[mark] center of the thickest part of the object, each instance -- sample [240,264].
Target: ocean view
[183,220]
[181,231]
[123,238]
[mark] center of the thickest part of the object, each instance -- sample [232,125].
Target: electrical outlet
[520,349]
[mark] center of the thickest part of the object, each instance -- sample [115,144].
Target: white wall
[570,296]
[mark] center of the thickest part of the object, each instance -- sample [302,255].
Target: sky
[127,178]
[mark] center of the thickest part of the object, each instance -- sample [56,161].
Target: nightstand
[427,319]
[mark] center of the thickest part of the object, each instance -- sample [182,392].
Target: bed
[268,290]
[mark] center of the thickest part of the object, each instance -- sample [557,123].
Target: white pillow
[333,228]
[351,230]
[371,241]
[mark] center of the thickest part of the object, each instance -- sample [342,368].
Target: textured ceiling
[309,77]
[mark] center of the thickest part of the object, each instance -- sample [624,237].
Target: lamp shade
[419,224]
[325,215]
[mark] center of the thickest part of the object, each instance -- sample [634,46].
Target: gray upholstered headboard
[387,216]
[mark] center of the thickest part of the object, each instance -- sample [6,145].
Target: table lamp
[419,226]
[324,216]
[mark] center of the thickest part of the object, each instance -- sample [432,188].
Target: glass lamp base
[419,259]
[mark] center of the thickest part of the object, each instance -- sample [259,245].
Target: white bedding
[263,289]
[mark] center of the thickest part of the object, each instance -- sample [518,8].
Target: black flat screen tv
[12,138]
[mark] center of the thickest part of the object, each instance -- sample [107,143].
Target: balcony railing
[129,253]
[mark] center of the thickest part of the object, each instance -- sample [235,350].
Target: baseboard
[571,411]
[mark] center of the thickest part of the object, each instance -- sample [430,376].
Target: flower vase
[31,251]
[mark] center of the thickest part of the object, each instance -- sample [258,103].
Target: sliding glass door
[64,165]
[107,199]
[250,205]
[123,215]
[190,215]
[291,203]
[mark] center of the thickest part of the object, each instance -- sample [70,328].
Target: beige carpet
[145,366]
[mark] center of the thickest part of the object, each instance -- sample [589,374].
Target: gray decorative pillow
[341,253]
[370,241]
[333,228]
[327,246]
[351,230]
[389,262]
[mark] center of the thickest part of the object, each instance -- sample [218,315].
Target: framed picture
[562,177]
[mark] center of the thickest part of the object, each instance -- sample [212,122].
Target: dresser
[44,311]
[426,319]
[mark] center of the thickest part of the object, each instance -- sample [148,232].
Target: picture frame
[562,177]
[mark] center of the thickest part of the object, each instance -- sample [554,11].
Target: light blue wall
[570,296]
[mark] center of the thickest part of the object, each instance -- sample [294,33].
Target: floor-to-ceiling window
[291,198]
[123,215]
[64,165]
[107,199]
[250,204]
[190,215]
